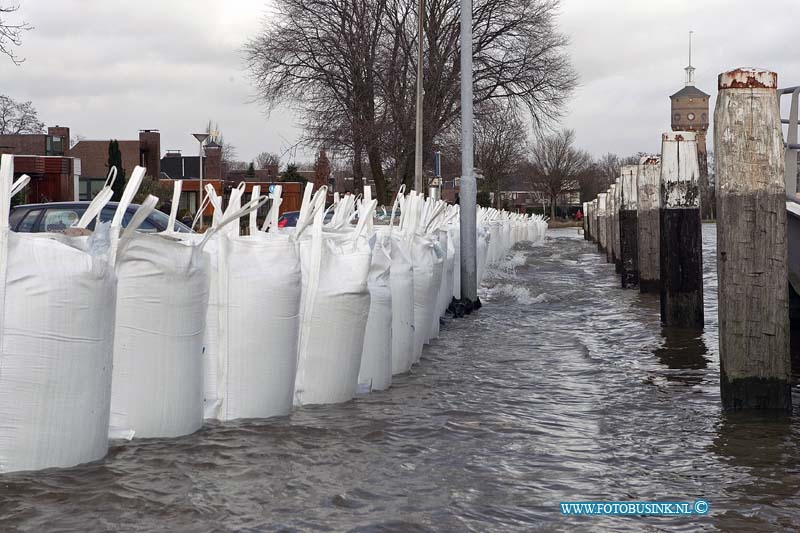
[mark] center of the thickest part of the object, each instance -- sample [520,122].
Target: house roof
[689,90]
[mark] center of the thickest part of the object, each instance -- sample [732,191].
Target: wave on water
[522,295]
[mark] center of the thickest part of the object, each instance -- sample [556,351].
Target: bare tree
[350,66]
[500,139]
[267,159]
[11,33]
[18,117]
[555,166]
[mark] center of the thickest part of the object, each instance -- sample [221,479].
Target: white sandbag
[376,358]
[333,312]
[162,298]
[57,294]
[402,285]
[483,238]
[257,282]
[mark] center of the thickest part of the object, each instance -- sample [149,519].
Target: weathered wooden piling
[602,209]
[617,206]
[681,259]
[628,234]
[585,220]
[648,222]
[755,361]
[593,220]
[610,219]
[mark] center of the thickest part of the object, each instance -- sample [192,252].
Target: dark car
[58,216]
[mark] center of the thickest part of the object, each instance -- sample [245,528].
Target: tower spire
[690,69]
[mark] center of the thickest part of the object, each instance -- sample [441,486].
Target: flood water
[563,387]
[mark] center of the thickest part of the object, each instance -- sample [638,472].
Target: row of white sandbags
[220,317]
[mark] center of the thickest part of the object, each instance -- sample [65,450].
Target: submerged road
[563,387]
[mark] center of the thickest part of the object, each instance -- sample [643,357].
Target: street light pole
[418,146]
[201,138]
[468,188]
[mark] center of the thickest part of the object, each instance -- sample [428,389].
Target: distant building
[689,108]
[93,153]
[46,159]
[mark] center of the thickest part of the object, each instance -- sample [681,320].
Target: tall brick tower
[689,108]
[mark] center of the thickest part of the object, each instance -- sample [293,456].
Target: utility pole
[420,94]
[468,188]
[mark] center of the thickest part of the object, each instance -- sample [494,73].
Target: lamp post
[468,188]
[201,138]
[418,144]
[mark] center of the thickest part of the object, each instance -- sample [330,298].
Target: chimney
[150,152]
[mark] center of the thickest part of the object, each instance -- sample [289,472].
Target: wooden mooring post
[755,361]
[617,206]
[649,245]
[585,220]
[628,232]
[593,220]
[610,258]
[602,208]
[681,259]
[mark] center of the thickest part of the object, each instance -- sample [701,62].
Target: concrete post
[755,361]
[602,209]
[468,186]
[648,221]
[610,219]
[628,232]
[681,240]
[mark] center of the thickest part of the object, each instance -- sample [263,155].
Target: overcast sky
[109,68]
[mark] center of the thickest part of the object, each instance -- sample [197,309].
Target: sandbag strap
[254,214]
[131,188]
[231,217]
[316,204]
[147,207]
[96,206]
[275,209]
[20,184]
[173,210]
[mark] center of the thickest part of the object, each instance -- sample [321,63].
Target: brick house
[45,158]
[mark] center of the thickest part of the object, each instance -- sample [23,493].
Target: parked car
[58,216]
[289,219]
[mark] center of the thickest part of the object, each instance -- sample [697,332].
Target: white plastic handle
[20,184]
[97,204]
[173,210]
[131,188]
[231,217]
[142,213]
[254,214]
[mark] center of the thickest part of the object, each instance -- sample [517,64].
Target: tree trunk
[553,199]
[376,167]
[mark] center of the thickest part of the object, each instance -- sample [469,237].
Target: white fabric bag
[334,311]
[376,358]
[256,283]
[56,337]
[162,300]
[402,285]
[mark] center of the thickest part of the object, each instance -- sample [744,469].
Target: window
[59,219]
[147,226]
[28,223]
[55,145]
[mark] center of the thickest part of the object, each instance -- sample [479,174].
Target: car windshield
[163,220]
